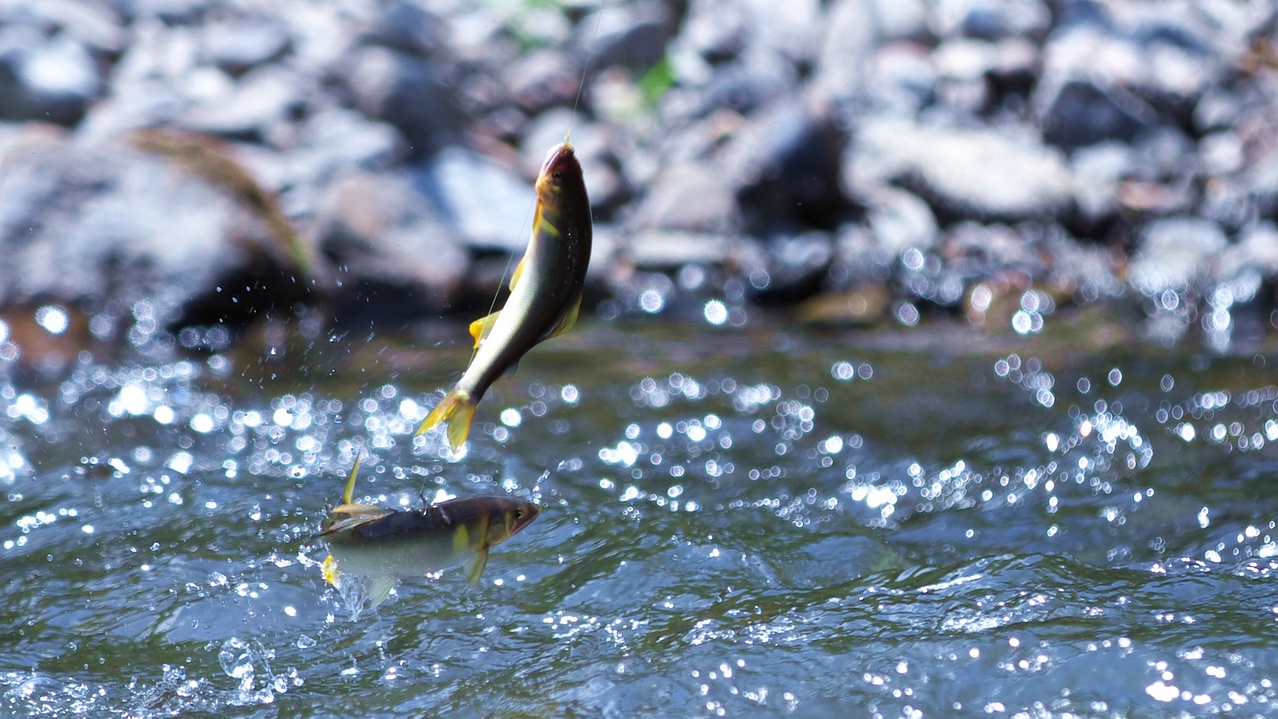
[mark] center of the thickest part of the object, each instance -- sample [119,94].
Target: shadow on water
[751,523]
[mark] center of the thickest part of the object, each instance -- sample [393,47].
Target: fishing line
[576,103]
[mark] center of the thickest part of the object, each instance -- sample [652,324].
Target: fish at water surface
[545,292]
[380,546]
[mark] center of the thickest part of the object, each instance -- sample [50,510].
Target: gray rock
[849,42]
[1098,171]
[633,35]
[404,91]
[239,46]
[899,220]
[1255,251]
[542,79]
[107,226]
[991,19]
[901,80]
[985,174]
[91,22]
[405,26]
[262,98]
[483,203]
[389,248]
[669,250]
[693,197]
[49,79]
[899,20]
[785,164]
[794,268]
[1075,112]
[1174,253]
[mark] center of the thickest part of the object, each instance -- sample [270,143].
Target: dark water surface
[747,523]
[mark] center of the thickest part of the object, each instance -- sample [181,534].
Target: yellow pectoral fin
[519,272]
[330,570]
[566,321]
[480,328]
[477,566]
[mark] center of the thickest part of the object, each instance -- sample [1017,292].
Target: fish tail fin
[350,482]
[456,408]
[378,589]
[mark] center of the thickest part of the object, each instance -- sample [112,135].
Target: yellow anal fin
[566,321]
[480,328]
[477,565]
[458,410]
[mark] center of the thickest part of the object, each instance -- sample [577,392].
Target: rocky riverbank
[174,171]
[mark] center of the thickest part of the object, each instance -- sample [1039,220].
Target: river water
[750,522]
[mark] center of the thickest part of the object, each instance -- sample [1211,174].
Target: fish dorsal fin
[350,482]
[345,525]
[378,589]
[480,328]
[566,321]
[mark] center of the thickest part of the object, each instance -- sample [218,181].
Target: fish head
[510,516]
[560,169]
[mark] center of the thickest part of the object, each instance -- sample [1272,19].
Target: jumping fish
[383,545]
[545,292]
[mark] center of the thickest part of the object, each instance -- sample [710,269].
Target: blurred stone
[94,23]
[1173,253]
[849,43]
[785,164]
[985,174]
[404,26]
[259,100]
[670,249]
[694,197]
[106,226]
[991,19]
[1256,251]
[899,220]
[1085,111]
[1098,171]
[794,268]
[865,305]
[403,90]
[542,79]
[239,46]
[633,35]
[393,256]
[48,79]
[482,203]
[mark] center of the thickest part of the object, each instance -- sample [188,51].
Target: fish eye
[519,514]
[557,176]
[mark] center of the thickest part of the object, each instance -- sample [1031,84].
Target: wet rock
[864,305]
[633,35]
[1017,177]
[899,20]
[991,19]
[406,27]
[1256,251]
[48,79]
[1098,172]
[259,100]
[1084,111]
[93,23]
[1174,253]
[542,79]
[985,250]
[784,165]
[109,228]
[845,51]
[239,46]
[483,203]
[901,80]
[668,250]
[405,91]
[395,258]
[899,220]
[794,268]
[689,196]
